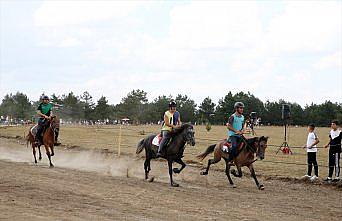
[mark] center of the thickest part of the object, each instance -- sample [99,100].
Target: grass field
[107,137]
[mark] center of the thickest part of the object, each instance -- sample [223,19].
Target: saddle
[157,139]
[34,130]
[227,146]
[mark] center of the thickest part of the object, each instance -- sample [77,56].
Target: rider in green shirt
[44,112]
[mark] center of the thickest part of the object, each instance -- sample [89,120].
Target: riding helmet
[238,104]
[172,104]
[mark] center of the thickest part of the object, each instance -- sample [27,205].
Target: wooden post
[119,140]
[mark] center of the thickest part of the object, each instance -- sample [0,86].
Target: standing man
[44,112]
[335,136]
[169,123]
[311,149]
[236,127]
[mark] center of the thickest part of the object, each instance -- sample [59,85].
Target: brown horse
[48,141]
[245,157]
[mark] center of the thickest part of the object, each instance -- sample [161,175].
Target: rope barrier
[292,163]
[98,128]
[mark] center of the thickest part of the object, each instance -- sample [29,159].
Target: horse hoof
[52,154]
[233,186]
[261,187]
[176,170]
[52,166]
[40,158]
[174,184]
[204,173]
[151,179]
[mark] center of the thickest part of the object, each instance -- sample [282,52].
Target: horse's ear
[264,138]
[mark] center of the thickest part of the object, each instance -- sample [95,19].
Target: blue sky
[274,49]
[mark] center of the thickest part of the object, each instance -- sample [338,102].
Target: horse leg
[180,161]
[211,161]
[149,166]
[146,169]
[173,184]
[47,149]
[228,174]
[251,169]
[40,153]
[52,150]
[34,154]
[239,174]
[149,169]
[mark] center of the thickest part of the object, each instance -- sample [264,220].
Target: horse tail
[209,150]
[140,146]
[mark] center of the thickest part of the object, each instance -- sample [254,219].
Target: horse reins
[249,146]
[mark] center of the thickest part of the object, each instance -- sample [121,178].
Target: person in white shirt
[311,150]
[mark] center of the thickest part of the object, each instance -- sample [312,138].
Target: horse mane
[254,139]
[250,141]
[179,130]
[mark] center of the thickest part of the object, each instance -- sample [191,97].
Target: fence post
[119,140]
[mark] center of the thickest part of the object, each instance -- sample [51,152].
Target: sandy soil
[88,185]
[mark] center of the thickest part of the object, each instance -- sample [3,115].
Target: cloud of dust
[93,161]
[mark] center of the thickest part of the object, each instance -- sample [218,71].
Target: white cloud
[60,13]
[331,61]
[306,26]
[70,42]
[205,24]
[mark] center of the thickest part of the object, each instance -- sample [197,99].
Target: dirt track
[91,186]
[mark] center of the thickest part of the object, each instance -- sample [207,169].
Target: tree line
[136,107]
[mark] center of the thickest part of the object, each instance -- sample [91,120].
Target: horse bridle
[251,148]
[53,127]
[185,135]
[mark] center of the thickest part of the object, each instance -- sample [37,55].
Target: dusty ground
[88,185]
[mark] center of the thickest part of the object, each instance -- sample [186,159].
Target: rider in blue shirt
[236,127]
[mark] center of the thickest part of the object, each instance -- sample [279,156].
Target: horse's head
[262,145]
[53,122]
[188,134]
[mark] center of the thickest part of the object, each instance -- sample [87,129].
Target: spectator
[311,150]
[335,136]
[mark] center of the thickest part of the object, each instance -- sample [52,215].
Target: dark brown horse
[245,157]
[173,152]
[48,141]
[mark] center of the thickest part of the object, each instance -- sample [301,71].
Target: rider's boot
[160,149]
[38,140]
[39,136]
[163,143]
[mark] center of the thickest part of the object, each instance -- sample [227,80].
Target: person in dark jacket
[335,136]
